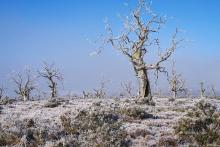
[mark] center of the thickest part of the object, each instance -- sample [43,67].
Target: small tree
[128,89]
[141,28]
[213,91]
[176,82]
[1,92]
[100,92]
[202,90]
[53,76]
[24,84]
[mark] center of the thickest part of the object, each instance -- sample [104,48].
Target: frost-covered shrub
[135,112]
[97,126]
[7,138]
[139,132]
[167,141]
[6,100]
[52,104]
[200,126]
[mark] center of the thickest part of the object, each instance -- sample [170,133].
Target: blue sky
[32,31]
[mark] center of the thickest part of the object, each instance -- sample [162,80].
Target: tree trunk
[144,86]
[53,93]
[25,98]
[53,89]
[174,94]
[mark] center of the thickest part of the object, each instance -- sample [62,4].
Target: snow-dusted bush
[167,141]
[200,126]
[6,100]
[7,138]
[52,103]
[97,126]
[135,112]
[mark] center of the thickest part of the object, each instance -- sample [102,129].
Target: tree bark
[144,86]
[174,94]
[25,98]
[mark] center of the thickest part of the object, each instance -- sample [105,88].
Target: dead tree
[213,91]
[87,94]
[1,92]
[128,89]
[24,84]
[100,92]
[202,90]
[140,33]
[53,76]
[176,82]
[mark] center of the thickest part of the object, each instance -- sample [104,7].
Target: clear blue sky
[32,31]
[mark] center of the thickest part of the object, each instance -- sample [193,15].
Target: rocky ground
[153,129]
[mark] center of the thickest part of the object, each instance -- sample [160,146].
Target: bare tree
[128,89]
[1,92]
[202,90]
[140,33]
[53,76]
[213,91]
[24,84]
[87,94]
[176,82]
[100,92]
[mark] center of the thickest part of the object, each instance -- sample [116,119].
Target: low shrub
[6,101]
[200,126]
[135,112]
[97,126]
[7,138]
[168,141]
[52,104]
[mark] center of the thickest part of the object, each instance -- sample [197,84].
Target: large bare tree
[24,84]
[52,75]
[176,82]
[140,34]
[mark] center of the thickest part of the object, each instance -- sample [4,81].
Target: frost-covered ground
[144,132]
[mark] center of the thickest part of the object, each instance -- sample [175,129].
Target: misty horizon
[64,33]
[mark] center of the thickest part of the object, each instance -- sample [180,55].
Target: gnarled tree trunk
[144,85]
